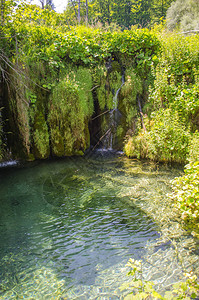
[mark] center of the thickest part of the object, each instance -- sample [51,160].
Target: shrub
[166,139]
[186,196]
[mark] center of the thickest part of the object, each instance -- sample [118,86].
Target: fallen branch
[100,115]
[190,31]
[109,130]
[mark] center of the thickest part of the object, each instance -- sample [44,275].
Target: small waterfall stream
[115,98]
[114,116]
[9,163]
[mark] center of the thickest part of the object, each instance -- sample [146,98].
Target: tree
[124,13]
[86,11]
[159,9]
[47,4]
[183,14]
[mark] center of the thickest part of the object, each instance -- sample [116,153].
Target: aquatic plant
[144,289]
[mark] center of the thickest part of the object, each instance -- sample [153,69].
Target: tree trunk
[79,3]
[74,9]
[86,11]
[2,12]
[42,3]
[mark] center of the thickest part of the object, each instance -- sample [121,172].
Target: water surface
[68,227]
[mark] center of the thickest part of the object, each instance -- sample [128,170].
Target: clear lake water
[69,226]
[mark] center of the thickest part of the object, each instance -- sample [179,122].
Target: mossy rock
[41,147]
[115,66]
[57,143]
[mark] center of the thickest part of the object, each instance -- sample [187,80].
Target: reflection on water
[68,227]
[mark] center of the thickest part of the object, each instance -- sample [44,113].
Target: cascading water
[9,163]
[114,116]
[115,98]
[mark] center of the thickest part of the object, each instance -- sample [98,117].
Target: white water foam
[9,163]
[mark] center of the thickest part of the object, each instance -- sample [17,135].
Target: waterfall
[114,115]
[110,119]
[115,98]
[9,163]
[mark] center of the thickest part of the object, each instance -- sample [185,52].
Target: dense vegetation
[53,74]
[124,13]
[171,112]
[56,79]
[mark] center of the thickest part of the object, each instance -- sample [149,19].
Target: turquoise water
[68,227]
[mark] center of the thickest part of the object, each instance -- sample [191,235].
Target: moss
[130,90]
[41,148]
[71,105]
[87,136]
[137,146]
[79,153]
[57,142]
[99,78]
[15,114]
[31,157]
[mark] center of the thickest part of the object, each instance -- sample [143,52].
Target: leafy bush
[177,72]
[172,105]
[166,139]
[194,148]
[186,196]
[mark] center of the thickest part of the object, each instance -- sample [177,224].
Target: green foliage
[123,13]
[194,148]
[61,68]
[172,105]
[176,76]
[166,139]
[186,196]
[143,289]
[180,57]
